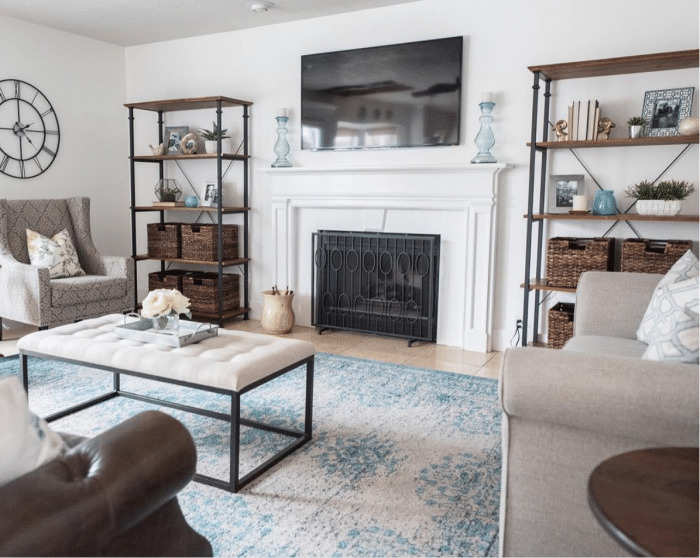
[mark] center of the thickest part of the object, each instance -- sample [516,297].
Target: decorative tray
[188,332]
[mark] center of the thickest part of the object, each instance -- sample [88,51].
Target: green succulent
[665,190]
[214,133]
[635,121]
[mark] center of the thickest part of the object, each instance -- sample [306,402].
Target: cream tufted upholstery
[28,295]
[232,360]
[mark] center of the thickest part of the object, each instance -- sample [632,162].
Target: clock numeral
[3,163]
[2,96]
[52,153]
[52,132]
[49,111]
[17,89]
[38,164]
[21,167]
[35,96]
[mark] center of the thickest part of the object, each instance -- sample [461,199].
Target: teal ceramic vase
[192,201]
[604,203]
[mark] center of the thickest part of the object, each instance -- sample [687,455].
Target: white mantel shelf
[458,202]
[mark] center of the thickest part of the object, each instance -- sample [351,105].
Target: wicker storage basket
[199,242]
[202,290]
[171,279]
[561,324]
[652,256]
[567,258]
[163,240]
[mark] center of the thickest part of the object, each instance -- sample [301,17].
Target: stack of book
[582,119]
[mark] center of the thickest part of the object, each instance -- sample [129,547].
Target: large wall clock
[29,133]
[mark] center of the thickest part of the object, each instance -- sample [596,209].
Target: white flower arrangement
[165,302]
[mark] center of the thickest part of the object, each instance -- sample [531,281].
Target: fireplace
[376,283]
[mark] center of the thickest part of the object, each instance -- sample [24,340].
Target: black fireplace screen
[376,283]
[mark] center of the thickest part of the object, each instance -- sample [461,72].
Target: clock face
[29,133]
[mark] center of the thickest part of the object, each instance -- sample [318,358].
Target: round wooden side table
[648,500]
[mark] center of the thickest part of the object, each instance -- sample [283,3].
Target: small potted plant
[211,138]
[636,126]
[663,198]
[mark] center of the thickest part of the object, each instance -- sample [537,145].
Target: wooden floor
[372,347]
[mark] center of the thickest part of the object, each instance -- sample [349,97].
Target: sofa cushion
[672,327]
[57,253]
[88,288]
[601,345]
[26,440]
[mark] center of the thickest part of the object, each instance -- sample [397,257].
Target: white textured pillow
[26,440]
[670,325]
[685,268]
[57,253]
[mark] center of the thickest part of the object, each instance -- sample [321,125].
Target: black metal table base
[235,482]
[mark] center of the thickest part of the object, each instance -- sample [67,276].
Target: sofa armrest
[625,296]
[26,291]
[78,503]
[656,402]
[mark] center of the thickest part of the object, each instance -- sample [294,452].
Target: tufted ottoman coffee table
[232,363]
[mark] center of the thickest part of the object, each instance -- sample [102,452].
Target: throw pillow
[26,440]
[685,268]
[673,326]
[57,253]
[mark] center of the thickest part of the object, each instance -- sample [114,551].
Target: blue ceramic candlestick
[282,145]
[484,139]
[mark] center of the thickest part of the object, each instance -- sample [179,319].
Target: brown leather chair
[112,495]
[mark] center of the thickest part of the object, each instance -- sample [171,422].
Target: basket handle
[577,244]
[657,246]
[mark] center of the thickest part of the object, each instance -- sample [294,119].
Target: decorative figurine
[158,149]
[559,128]
[605,126]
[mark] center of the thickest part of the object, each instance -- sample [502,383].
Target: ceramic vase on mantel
[277,313]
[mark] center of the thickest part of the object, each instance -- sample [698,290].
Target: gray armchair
[28,295]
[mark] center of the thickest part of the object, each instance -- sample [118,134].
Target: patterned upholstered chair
[28,295]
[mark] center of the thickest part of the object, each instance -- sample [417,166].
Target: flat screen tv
[405,95]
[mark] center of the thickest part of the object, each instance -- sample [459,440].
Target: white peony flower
[157,303]
[179,303]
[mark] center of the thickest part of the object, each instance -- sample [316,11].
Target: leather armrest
[76,504]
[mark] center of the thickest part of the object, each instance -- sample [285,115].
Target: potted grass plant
[211,138]
[663,198]
[635,126]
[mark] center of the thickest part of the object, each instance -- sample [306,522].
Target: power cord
[518,327]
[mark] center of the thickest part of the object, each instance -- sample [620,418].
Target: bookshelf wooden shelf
[225,263]
[224,210]
[617,142]
[618,217]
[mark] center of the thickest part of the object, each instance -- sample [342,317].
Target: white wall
[502,38]
[84,81]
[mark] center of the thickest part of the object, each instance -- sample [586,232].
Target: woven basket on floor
[567,258]
[652,256]
[202,290]
[171,279]
[560,325]
[200,242]
[163,240]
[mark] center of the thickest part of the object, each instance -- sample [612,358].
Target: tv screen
[405,95]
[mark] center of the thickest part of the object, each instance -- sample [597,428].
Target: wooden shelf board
[541,285]
[617,142]
[226,315]
[193,103]
[618,217]
[226,263]
[198,208]
[158,158]
[622,65]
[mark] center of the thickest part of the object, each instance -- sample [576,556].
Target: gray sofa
[567,410]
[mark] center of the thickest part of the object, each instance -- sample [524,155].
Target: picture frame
[209,197]
[663,110]
[172,137]
[562,189]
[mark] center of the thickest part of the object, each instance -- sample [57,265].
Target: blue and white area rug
[404,461]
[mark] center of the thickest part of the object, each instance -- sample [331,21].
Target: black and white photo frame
[663,110]
[209,197]
[173,137]
[562,189]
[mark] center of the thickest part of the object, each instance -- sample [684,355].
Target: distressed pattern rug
[404,461]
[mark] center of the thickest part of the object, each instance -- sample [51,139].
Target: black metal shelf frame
[206,103]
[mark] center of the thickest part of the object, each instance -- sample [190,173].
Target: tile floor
[372,347]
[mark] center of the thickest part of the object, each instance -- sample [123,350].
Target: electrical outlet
[518,324]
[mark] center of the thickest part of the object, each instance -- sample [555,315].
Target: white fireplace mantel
[456,201]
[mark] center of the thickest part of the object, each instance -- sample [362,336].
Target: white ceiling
[134,22]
